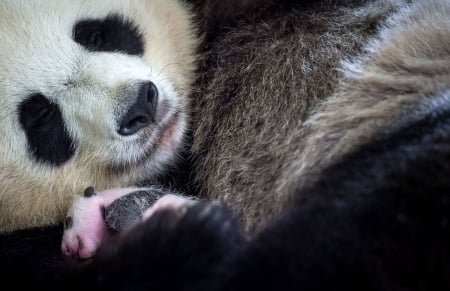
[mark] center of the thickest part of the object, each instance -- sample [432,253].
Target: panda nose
[142,112]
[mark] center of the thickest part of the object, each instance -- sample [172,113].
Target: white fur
[38,55]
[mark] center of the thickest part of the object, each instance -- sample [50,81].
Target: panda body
[324,125]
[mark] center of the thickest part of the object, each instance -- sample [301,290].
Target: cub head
[92,93]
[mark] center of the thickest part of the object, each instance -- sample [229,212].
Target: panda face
[92,92]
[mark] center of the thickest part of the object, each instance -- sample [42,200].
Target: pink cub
[85,229]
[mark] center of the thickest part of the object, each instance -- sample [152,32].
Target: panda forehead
[37,39]
[29,10]
[24,22]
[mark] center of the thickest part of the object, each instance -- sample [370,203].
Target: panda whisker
[166,66]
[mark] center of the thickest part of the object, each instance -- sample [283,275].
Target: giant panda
[90,98]
[323,126]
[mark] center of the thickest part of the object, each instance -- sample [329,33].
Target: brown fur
[275,106]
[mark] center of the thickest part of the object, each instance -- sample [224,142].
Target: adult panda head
[91,93]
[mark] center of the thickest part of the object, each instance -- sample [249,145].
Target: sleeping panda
[94,93]
[322,125]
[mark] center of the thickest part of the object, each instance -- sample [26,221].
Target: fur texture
[324,126]
[263,80]
[63,62]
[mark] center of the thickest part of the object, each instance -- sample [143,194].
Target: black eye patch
[45,130]
[112,34]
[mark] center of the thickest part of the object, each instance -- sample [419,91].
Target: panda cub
[324,124]
[96,216]
[93,93]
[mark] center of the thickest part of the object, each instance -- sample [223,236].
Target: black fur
[377,220]
[68,223]
[112,34]
[44,127]
[89,192]
[125,211]
[219,17]
[32,259]
[187,253]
